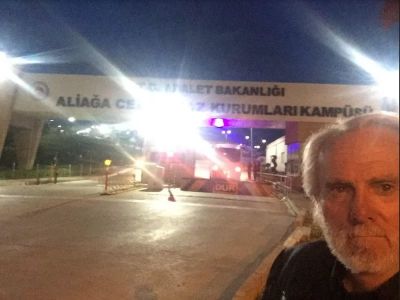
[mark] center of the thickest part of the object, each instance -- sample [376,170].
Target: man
[351,173]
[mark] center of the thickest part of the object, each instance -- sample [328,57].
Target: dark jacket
[310,271]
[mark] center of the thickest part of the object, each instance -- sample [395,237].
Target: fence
[282,184]
[49,171]
[118,178]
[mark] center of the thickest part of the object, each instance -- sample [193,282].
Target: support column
[298,132]
[7,93]
[27,142]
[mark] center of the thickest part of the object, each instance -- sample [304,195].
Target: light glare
[158,124]
[388,84]
[6,67]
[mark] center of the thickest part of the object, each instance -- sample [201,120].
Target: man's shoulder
[300,270]
[313,255]
[309,250]
[314,246]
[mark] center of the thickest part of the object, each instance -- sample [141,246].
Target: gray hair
[317,142]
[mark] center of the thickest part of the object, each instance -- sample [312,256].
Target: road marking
[142,201]
[41,210]
[220,206]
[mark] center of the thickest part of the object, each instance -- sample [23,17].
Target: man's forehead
[366,141]
[361,154]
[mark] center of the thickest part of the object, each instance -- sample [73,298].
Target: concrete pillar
[298,132]
[27,142]
[7,96]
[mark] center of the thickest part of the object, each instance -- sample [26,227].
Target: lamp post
[55,167]
[226,133]
[251,145]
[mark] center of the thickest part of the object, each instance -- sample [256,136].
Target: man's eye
[339,191]
[339,188]
[383,187]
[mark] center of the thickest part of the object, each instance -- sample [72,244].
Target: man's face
[359,201]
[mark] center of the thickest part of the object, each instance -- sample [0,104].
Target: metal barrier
[223,186]
[282,184]
[117,178]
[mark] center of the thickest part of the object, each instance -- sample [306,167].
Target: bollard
[107,164]
[55,174]
[37,174]
[13,169]
[106,182]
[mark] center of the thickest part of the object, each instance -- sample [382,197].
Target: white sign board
[105,99]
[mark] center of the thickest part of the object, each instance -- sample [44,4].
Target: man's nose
[359,207]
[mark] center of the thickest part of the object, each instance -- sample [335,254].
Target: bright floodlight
[168,123]
[388,83]
[71,119]
[140,163]
[6,67]
[387,80]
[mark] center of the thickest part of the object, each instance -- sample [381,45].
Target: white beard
[354,253]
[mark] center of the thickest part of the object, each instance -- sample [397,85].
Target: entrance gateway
[300,108]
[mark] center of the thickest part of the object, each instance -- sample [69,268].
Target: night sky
[276,40]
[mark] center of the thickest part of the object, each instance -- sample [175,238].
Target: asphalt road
[65,241]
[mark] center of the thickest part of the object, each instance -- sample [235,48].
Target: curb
[253,287]
[291,206]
